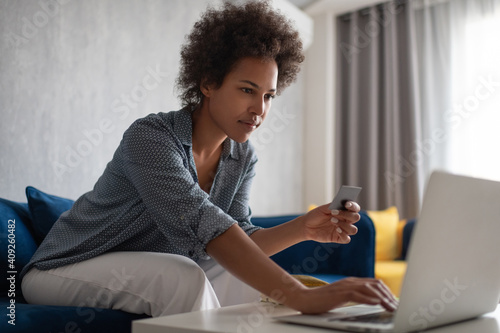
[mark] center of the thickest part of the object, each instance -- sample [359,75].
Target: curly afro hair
[222,37]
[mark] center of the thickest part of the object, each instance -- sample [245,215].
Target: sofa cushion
[391,272]
[16,236]
[386,226]
[45,209]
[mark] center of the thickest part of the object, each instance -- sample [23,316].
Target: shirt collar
[183,128]
[229,149]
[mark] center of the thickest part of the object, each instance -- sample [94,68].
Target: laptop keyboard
[380,318]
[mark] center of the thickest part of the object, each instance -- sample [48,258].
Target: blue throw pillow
[45,209]
[15,235]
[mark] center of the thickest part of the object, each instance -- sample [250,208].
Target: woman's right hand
[352,289]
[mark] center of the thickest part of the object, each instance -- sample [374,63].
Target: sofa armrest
[358,257]
[312,258]
[407,232]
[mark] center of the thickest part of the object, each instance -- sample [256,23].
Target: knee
[178,271]
[179,285]
[190,272]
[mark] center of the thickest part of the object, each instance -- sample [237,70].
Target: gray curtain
[377,127]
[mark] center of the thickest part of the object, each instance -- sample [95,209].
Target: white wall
[278,185]
[319,122]
[75,74]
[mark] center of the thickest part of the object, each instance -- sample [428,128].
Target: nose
[259,106]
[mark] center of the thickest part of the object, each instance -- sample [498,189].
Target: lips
[250,123]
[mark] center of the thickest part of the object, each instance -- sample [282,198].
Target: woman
[169,218]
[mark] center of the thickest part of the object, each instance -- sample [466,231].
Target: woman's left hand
[324,225]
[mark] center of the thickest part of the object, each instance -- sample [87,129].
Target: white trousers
[155,284]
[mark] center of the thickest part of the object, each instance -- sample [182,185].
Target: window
[473,148]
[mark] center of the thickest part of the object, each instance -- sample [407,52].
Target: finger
[357,290]
[360,297]
[342,236]
[351,217]
[363,290]
[352,206]
[347,228]
[380,285]
[373,288]
[387,300]
[387,292]
[343,239]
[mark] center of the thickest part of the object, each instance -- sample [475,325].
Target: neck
[207,137]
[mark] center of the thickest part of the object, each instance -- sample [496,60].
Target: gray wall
[75,74]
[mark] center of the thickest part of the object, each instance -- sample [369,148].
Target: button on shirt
[149,199]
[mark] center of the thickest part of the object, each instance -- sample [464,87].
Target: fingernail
[339,230]
[335,212]
[348,205]
[334,220]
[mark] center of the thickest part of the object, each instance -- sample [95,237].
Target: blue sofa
[24,225]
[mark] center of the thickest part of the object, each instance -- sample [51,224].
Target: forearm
[239,255]
[276,239]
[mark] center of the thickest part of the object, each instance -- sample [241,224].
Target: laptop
[453,271]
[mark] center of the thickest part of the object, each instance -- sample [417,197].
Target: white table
[258,318]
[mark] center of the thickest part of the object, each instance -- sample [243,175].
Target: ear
[205,88]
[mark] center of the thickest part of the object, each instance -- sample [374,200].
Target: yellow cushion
[386,226]
[391,273]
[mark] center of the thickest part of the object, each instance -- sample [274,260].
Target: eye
[247,90]
[270,96]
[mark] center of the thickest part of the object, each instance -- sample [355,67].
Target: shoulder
[150,134]
[153,121]
[153,126]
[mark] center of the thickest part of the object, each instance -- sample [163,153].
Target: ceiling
[302,3]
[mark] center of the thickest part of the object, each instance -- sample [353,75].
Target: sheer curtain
[422,94]
[468,115]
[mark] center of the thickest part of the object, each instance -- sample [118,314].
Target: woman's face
[242,102]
